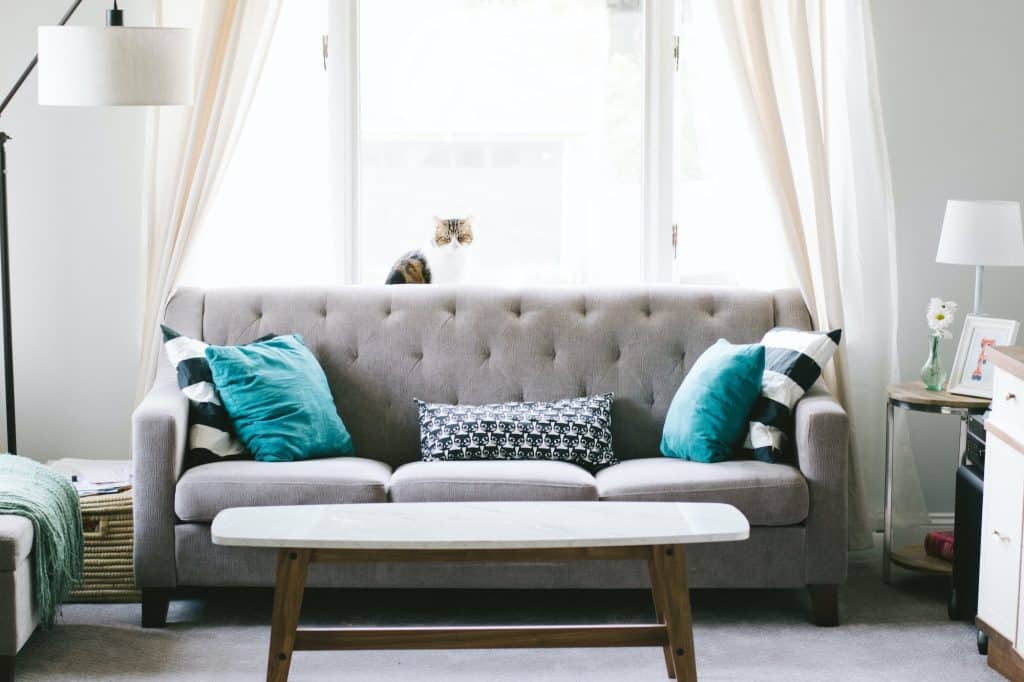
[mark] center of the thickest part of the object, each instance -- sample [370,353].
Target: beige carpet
[888,633]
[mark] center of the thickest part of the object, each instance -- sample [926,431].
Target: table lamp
[981,233]
[110,65]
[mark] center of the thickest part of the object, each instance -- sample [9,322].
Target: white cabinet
[1001,527]
[1008,403]
[1001,582]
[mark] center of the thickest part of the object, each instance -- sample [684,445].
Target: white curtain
[808,72]
[188,148]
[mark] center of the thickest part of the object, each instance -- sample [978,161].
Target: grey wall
[75,187]
[953,108]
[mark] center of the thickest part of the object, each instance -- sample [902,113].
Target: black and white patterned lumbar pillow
[577,430]
[211,435]
[793,362]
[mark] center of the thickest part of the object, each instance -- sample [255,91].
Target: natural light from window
[727,213]
[525,114]
[269,222]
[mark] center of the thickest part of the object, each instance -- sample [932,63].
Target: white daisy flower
[937,305]
[940,317]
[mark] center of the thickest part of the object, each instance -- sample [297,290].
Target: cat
[442,261]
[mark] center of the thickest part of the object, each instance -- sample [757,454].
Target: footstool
[18,617]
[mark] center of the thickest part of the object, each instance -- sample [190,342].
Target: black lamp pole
[5,282]
[5,259]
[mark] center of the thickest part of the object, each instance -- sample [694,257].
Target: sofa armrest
[821,437]
[159,434]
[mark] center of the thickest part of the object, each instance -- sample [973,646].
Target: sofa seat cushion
[15,541]
[767,494]
[207,489]
[491,481]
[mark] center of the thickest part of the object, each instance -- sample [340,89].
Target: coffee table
[656,532]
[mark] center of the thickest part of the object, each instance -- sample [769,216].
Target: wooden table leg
[658,592]
[669,564]
[292,566]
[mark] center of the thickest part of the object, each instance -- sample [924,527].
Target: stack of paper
[95,476]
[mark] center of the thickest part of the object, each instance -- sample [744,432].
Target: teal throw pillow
[708,415]
[277,395]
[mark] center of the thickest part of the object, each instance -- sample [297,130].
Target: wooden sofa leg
[6,668]
[155,601]
[824,605]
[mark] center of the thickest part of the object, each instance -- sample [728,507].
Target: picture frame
[972,373]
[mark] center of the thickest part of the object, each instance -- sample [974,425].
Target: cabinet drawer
[1001,526]
[1008,403]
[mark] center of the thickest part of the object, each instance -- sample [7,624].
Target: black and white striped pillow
[211,435]
[793,362]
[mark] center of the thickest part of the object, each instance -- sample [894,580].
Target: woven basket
[109,574]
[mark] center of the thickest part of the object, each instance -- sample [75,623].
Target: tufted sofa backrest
[381,346]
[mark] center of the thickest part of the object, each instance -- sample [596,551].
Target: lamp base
[979,274]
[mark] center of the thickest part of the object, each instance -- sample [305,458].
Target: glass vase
[932,373]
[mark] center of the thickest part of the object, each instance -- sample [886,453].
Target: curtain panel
[187,148]
[811,85]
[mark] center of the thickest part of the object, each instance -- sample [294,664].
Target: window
[269,221]
[565,128]
[729,230]
[525,114]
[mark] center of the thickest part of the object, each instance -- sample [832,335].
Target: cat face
[453,232]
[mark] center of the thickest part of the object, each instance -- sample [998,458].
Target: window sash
[343,113]
[657,135]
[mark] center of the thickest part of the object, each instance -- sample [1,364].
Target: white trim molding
[343,114]
[659,81]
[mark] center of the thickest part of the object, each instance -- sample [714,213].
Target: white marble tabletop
[479,525]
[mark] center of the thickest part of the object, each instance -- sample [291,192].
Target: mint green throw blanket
[50,502]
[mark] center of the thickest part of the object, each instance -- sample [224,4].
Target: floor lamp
[111,65]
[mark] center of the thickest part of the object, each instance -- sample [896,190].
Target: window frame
[343,109]
[658,131]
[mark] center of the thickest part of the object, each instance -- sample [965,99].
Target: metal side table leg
[964,421]
[890,437]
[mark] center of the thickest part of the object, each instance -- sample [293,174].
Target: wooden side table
[913,396]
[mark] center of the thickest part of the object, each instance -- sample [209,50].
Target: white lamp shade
[982,233]
[114,66]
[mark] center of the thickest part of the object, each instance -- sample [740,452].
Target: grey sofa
[18,616]
[381,346]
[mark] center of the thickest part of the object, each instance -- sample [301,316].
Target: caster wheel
[953,606]
[982,643]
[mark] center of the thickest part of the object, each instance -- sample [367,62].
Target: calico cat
[442,261]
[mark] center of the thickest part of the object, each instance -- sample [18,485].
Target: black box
[963,598]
